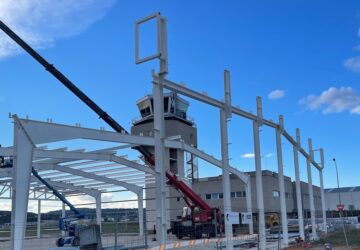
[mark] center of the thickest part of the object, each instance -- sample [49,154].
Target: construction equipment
[69,224]
[200,216]
[272,220]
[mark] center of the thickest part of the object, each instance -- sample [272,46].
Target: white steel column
[159,133]
[249,204]
[298,186]
[159,136]
[225,178]
[259,184]
[180,164]
[23,149]
[225,114]
[323,204]
[311,192]
[38,234]
[141,213]
[98,209]
[63,214]
[284,223]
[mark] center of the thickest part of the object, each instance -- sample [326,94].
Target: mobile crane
[198,217]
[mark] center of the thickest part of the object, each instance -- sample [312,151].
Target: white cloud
[80,199]
[276,94]
[248,155]
[268,155]
[252,155]
[353,64]
[334,100]
[40,23]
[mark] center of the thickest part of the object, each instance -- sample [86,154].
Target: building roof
[342,189]
[250,173]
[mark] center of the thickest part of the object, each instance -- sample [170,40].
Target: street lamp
[337,177]
[340,210]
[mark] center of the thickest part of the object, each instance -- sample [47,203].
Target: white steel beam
[38,234]
[159,136]
[249,205]
[298,185]
[235,110]
[311,192]
[44,132]
[98,209]
[283,212]
[23,149]
[140,199]
[39,153]
[224,115]
[323,204]
[204,156]
[259,183]
[87,175]
[91,192]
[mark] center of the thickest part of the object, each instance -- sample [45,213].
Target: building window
[215,196]
[221,195]
[208,196]
[275,193]
[238,194]
[287,195]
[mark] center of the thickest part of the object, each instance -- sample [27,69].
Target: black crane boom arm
[55,192]
[71,86]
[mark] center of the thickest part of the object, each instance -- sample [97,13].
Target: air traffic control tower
[184,165]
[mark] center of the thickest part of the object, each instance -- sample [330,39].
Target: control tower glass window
[145,108]
[181,109]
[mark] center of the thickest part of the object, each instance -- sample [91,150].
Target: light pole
[337,177]
[340,211]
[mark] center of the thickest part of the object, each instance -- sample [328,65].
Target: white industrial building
[349,197]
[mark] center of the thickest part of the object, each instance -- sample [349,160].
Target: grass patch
[337,238]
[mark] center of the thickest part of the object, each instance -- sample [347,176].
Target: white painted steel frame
[225,114]
[284,223]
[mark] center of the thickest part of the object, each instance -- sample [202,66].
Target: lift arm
[55,192]
[149,157]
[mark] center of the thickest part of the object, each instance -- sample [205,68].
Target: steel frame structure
[226,111]
[28,135]
[79,171]
[280,130]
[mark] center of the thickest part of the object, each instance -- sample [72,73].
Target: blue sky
[305,51]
